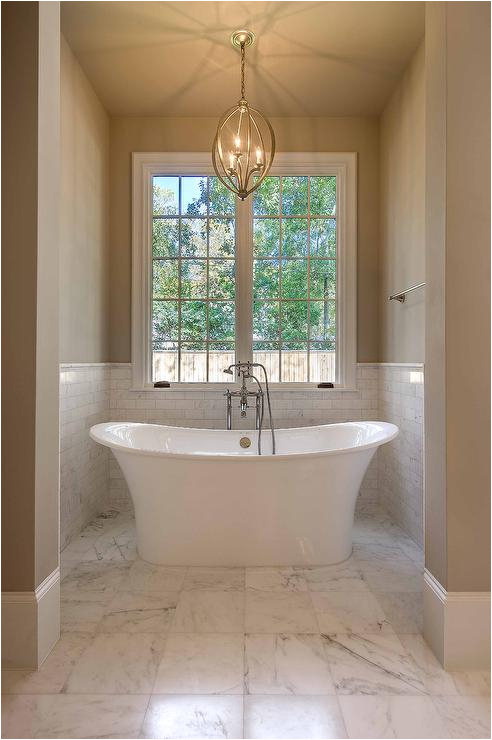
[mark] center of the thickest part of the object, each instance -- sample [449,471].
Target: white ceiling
[310,58]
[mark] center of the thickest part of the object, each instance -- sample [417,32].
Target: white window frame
[147,164]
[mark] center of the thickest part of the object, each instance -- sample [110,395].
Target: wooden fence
[294,366]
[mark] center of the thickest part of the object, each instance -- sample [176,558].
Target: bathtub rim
[392,429]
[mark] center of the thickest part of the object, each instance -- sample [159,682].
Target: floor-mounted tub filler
[205,496]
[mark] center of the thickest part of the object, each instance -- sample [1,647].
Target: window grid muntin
[309,341]
[180,258]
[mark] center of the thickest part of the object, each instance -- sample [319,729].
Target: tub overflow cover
[245,442]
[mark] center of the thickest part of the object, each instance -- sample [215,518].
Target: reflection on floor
[161,652]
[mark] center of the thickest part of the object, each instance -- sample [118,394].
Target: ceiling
[310,58]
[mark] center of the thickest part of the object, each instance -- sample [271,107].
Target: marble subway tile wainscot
[84,465]
[400,463]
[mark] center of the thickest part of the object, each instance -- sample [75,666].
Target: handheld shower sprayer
[244,371]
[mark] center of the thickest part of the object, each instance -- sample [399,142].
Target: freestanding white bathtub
[202,499]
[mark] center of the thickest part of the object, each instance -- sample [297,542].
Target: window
[270,279]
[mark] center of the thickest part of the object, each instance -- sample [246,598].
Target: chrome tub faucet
[244,372]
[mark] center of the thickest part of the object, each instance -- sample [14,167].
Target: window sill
[218,387]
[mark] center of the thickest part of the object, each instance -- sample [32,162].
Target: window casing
[338,307]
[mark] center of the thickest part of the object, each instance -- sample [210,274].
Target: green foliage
[284,315]
[323,195]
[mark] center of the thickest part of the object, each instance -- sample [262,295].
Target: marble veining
[117,664]
[140,612]
[279,612]
[349,611]
[372,664]
[286,664]
[156,651]
[201,664]
[192,717]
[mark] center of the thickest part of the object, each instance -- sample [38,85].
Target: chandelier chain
[243,54]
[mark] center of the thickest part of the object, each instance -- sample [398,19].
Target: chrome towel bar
[401,295]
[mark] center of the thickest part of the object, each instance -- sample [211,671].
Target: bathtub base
[297,513]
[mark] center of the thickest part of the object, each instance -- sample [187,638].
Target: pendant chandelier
[244,145]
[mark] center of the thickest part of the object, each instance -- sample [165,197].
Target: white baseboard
[457,625]
[30,624]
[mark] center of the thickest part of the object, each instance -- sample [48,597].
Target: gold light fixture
[244,145]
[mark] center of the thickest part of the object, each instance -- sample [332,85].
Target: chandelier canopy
[244,145]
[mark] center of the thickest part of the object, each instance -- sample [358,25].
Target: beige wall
[84,256]
[30,238]
[457,408]
[294,134]
[402,217]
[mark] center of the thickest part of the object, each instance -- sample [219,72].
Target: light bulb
[258,155]
[237,142]
[231,160]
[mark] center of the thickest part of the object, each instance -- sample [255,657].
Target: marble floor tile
[209,611]
[349,611]
[379,553]
[411,549]
[68,716]
[201,664]
[194,717]
[465,716]
[398,575]
[95,576]
[76,549]
[81,611]
[286,664]
[436,679]
[404,610]
[143,576]
[135,611]
[214,579]
[111,548]
[53,674]
[472,683]
[279,612]
[117,664]
[21,715]
[372,664]
[373,529]
[292,717]
[342,577]
[391,717]
[274,579]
